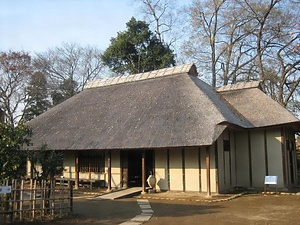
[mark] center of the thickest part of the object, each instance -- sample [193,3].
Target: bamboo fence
[34,199]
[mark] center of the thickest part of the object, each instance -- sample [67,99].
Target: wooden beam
[217,166]
[250,158]
[76,170]
[199,166]
[183,169]
[207,159]
[168,169]
[235,159]
[109,170]
[143,172]
[266,152]
[283,150]
[230,160]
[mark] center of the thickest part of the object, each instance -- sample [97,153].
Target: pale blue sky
[37,25]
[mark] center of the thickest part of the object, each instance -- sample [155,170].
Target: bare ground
[172,208]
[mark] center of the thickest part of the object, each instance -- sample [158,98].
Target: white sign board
[5,189]
[271,179]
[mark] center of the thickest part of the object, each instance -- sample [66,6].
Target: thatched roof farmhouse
[191,136]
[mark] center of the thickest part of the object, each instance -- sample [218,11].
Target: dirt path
[248,209]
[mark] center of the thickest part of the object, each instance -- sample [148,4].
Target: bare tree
[69,68]
[206,29]
[15,71]
[258,41]
[164,18]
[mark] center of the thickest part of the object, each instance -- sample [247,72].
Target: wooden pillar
[250,158]
[199,166]
[217,166]
[207,159]
[77,170]
[168,169]
[143,172]
[266,153]
[183,169]
[283,150]
[109,171]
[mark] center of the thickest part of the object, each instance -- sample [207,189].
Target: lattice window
[92,161]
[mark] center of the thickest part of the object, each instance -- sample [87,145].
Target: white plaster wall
[175,170]
[213,170]
[115,169]
[275,155]
[191,169]
[69,164]
[225,160]
[203,169]
[221,171]
[258,158]
[242,159]
[161,168]
[233,158]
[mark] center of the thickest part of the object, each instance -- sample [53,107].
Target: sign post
[5,189]
[273,180]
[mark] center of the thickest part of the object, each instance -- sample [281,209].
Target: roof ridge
[185,68]
[239,86]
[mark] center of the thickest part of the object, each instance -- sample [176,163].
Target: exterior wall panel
[275,155]
[233,158]
[242,159]
[213,170]
[69,164]
[203,170]
[176,170]
[161,170]
[191,169]
[115,169]
[221,171]
[258,158]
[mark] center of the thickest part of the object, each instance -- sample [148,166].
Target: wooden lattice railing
[29,200]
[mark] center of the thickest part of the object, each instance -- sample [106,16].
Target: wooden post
[109,170]
[52,198]
[208,171]
[34,199]
[70,195]
[76,171]
[21,200]
[61,197]
[15,203]
[168,170]
[143,172]
[183,169]
[199,169]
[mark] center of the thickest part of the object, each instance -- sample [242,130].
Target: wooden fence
[29,200]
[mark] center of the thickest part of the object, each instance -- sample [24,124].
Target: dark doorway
[291,166]
[135,166]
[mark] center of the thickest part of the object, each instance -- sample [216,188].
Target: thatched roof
[165,108]
[256,107]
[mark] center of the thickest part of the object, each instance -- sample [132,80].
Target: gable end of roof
[239,86]
[186,68]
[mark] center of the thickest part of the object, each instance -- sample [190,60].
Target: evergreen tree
[137,50]
[37,101]
[12,158]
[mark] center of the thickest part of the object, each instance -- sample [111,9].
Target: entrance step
[121,194]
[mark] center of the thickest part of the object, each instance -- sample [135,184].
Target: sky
[38,25]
